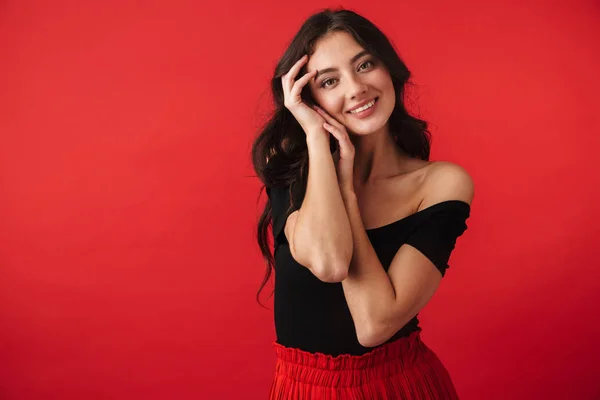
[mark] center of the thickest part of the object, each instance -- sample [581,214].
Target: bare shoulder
[446,181]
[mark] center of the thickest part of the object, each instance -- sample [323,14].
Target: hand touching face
[351,85]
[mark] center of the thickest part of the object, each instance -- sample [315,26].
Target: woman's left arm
[383,302]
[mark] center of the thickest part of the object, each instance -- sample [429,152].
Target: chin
[367,128]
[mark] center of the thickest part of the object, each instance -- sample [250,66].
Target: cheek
[332,105]
[384,80]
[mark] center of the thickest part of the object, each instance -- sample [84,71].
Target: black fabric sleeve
[435,236]
[280,211]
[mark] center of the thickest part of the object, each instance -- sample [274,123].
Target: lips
[362,103]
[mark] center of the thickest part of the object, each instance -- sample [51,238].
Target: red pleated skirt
[403,369]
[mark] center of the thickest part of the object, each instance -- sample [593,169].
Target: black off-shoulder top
[313,315]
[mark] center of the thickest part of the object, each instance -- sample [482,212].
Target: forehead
[335,49]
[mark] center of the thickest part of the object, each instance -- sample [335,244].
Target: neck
[377,157]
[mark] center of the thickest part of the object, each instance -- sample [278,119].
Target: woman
[362,236]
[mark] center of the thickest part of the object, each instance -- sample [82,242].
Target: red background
[128,207]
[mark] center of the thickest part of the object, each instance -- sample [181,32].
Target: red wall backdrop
[128,263]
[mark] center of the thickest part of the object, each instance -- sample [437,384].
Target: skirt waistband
[402,351]
[403,369]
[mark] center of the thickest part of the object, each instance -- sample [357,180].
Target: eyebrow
[352,61]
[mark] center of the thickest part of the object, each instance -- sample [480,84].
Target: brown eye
[367,62]
[324,83]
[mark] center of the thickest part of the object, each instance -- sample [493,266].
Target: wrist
[318,144]
[348,193]
[316,136]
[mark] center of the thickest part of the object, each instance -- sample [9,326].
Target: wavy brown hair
[282,141]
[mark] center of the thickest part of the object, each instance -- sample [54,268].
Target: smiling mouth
[374,101]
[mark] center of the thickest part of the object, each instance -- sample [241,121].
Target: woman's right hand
[310,121]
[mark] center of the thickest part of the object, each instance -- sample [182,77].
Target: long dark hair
[283,142]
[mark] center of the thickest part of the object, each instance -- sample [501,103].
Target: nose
[356,87]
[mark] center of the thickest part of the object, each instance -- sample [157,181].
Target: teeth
[365,107]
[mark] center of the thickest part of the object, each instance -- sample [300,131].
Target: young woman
[363,223]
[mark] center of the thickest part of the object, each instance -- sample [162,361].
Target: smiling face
[349,77]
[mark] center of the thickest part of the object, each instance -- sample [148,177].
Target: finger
[284,85]
[328,118]
[291,75]
[341,135]
[334,131]
[300,83]
[331,129]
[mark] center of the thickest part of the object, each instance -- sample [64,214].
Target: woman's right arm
[319,234]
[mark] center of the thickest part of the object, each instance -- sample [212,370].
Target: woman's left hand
[345,157]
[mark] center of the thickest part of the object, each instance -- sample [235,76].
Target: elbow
[332,272]
[372,335]
[336,269]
